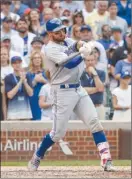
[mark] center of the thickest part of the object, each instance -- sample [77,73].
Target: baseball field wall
[19,139]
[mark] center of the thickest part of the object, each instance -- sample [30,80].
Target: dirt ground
[65,172]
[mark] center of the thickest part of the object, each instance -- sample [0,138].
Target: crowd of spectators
[25,88]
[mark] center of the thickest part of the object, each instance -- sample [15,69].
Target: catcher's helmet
[54,25]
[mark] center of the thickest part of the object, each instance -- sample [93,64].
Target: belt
[96,105]
[65,86]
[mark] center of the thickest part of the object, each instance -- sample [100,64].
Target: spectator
[86,33]
[6,42]
[5,64]
[65,21]
[37,44]
[77,19]
[3,108]
[32,3]
[44,4]
[106,37]
[98,16]
[88,9]
[113,20]
[47,14]
[5,6]
[26,16]
[100,56]
[70,5]
[123,65]
[122,98]
[57,9]
[18,88]
[67,13]
[35,26]
[113,83]
[117,36]
[22,41]
[6,29]
[45,37]
[93,82]
[76,32]
[124,10]
[18,7]
[37,75]
[45,102]
[121,52]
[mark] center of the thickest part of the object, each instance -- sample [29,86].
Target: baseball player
[65,70]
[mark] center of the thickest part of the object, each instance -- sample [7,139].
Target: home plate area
[65,172]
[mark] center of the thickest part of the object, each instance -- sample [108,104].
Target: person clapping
[18,88]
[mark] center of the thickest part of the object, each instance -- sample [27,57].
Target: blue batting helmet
[54,25]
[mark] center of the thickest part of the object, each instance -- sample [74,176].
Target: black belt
[65,86]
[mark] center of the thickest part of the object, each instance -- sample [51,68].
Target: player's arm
[71,61]
[62,59]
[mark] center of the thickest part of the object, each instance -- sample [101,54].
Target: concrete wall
[19,139]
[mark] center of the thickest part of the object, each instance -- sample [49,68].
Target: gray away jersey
[57,53]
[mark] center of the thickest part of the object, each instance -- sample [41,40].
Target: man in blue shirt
[124,10]
[86,33]
[124,65]
[106,35]
[93,82]
[18,88]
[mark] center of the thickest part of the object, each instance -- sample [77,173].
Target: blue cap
[85,27]
[125,74]
[54,25]
[16,58]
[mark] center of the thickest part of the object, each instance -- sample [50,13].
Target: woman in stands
[35,25]
[37,74]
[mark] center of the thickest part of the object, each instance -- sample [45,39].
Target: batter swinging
[67,94]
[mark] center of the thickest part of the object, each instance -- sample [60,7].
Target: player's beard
[59,40]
